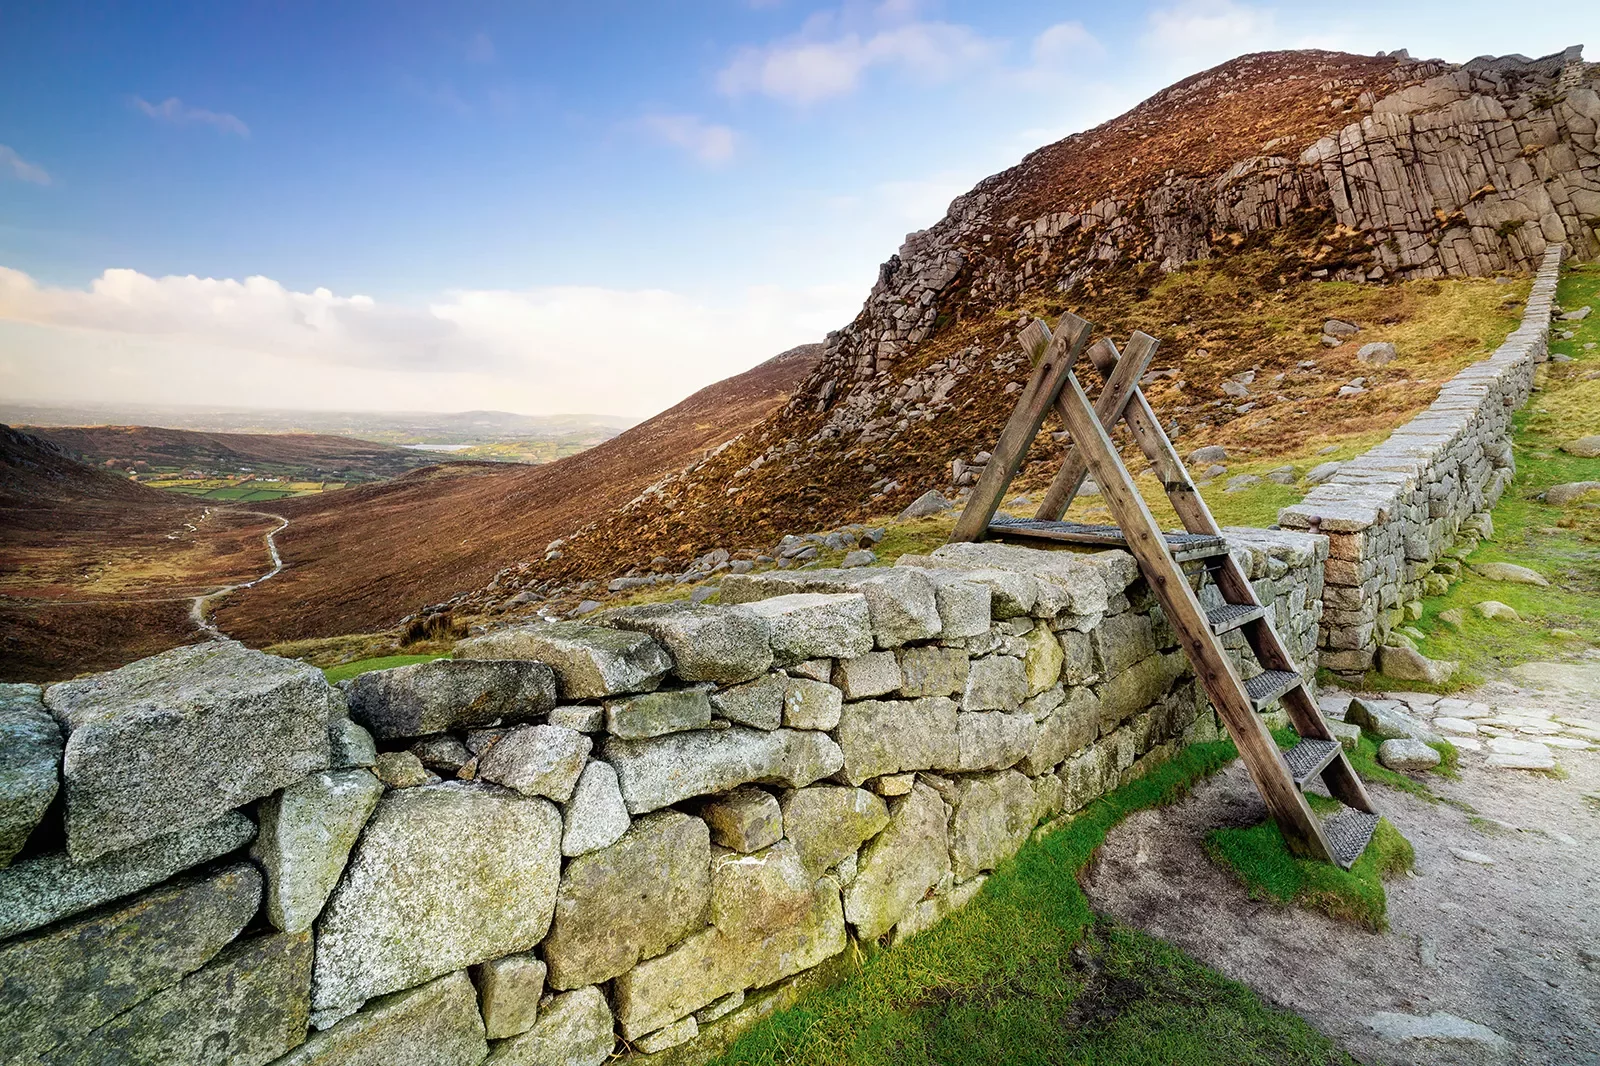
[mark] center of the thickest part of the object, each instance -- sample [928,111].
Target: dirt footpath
[1493,951]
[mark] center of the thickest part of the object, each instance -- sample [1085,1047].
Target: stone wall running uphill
[635,834]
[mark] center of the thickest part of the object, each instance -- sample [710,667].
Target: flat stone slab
[1439,1025]
[661,771]
[481,865]
[173,741]
[590,661]
[36,892]
[436,1023]
[423,698]
[30,755]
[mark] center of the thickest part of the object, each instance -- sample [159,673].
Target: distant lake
[438,447]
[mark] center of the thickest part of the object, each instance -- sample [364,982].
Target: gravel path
[1493,955]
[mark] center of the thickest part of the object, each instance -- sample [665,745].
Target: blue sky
[541,207]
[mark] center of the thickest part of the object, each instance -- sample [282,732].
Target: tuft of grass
[345,671]
[1261,859]
[1026,974]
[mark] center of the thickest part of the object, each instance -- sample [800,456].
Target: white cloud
[708,142]
[176,111]
[834,50]
[1194,34]
[255,342]
[20,168]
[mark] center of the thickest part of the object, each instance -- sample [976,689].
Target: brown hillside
[363,558]
[189,448]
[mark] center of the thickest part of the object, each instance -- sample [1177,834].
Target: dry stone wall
[1400,517]
[638,833]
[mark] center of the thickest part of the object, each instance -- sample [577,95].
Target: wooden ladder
[1280,776]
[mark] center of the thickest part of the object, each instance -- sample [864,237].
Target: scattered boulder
[596,817]
[1577,316]
[1377,353]
[1509,572]
[1584,447]
[1407,754]
[1241,482]
[172,741]
[1283,475]
[1213,453]
[931,502]
[1438,1026]
[30,755]
[1561,495]
[1338,327]
[431,697]
[859,557]
[1454,618]
[481,868]
[590,661]
[1497,611]
[306,834]
[1408,664]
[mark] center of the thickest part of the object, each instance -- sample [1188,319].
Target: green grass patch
[1025,974]
[1262,861]
[345,671]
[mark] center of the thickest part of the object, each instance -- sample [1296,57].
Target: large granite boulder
[45,889]
[444,876]
[58,985]
[660,771]
[828,823]
[423,698]
[435,1024]
[815,625]
[707,643]
[537,760]
[253,1000]
[574,1029]
[306,834]
[891,736]
[900,864]
[172,741]
[30,758]
[631,900]
[994,813]
[901,602]
[590,661]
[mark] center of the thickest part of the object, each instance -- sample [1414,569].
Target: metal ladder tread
[1230,616]
[1269,685]
[1308,758]
[1349,832]
[1183,546]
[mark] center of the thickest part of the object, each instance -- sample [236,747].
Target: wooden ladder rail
[1287,804]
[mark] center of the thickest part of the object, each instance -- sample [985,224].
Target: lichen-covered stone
[758,704]
[745,819]
[993,740]
[431,697]
[400,769]
[811,625]
[443,753]
[595,816]
[827,823]
[900,864]
[881,737]
[349,744]
[574,1029]
[49,887]
[579,717]
[537,760]
[306,834]
[994,813]
[655,714]
[1134,688]
[30,758]
[758,893]
[995,683]
[707,643]
[252,1000]
[1408,754]
[590,661]
[172,741]
[508,994]
[1041,663]
[58,985]
[445,876]
[811,704]
[1070,728]
[876,673]
[431,1025]
[660,771]
[963,606]
[629,901]
[933,671]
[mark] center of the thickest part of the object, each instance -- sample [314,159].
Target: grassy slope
[1025,974]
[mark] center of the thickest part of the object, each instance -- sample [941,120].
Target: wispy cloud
[176,111]
[17,167]
[1193,34]
[480,49]
[834,51]
[709,142]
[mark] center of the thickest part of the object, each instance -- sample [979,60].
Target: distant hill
[307,454]
[360,559]
[40,479]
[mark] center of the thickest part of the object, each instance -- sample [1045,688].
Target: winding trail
[197,610]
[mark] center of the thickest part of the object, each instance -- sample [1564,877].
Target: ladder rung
[1230,616]
[1349,832]
[1269,685]
[1183,546]
[1309,757]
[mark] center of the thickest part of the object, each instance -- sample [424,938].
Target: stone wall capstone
[637,834]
